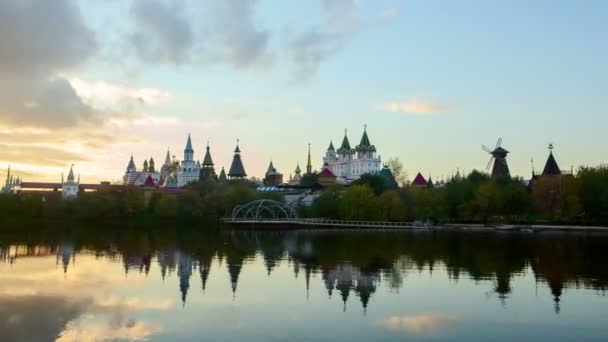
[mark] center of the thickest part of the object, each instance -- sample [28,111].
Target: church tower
[69,188]
[188,171]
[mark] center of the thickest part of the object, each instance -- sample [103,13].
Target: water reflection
[65,283]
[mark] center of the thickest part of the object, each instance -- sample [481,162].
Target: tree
[398,171]
[326,205]
[375,182]
[359,203]
[391,207]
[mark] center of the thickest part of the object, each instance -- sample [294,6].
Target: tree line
[567,199]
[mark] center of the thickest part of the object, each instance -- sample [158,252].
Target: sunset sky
[91,82]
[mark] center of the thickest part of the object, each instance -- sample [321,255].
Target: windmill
[499,157]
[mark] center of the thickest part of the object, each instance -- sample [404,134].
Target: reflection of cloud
[416,107]
[36,318]
[134,303]
[418,324]
[129,330]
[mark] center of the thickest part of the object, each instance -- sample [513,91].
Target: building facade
[349,164]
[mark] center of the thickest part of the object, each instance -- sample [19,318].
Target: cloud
[38,155]
[416,107]
[41,36]
[310,48]
[38,40]
[104,95]
[162,32]
[418,324]
[231,34]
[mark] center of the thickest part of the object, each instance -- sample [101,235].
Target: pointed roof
[131,165]
[331,146]
[298,170]
[326,172]
[237,170]
[499,151]
[309,162]
[345,143]
[271,169]
[388,177]
[207,161]
[419,180]
[365,139]
[71,174]
[551,167]
[149,181]
[189,144]
[168,158]
[222,177]
[365,144]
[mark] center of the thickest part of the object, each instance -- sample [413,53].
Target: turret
[207,169]
[309,163]
[189,151]
[365,149]
[237,170]
[131,166]
[151,166]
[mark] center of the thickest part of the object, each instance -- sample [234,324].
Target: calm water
[170,284]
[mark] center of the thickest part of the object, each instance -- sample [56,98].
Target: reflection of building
[349,164]
[184,272]
[66,253]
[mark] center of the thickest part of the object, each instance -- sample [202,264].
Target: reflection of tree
[347,262]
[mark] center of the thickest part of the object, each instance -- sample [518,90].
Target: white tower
[69,188]
[188,170]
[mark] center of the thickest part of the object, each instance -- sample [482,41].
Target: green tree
[359,203]
[375,182]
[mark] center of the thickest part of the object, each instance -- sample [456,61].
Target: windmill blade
[498,142]
[486,148]
[489,163]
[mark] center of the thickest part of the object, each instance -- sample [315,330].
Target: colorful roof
[419,180]
[149,181]
[388,177]
[345,143]
[326,172]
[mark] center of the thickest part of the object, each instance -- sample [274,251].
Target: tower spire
[309,163]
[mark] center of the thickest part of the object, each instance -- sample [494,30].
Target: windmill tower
[499,157]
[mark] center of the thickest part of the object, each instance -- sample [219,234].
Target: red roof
[149,181]
[326,173]
[419,180]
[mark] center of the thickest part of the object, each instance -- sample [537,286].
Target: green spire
[345,143]
[365,139]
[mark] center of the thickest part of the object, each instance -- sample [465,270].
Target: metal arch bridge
[263,210]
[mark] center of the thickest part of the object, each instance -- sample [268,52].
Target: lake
[103,283]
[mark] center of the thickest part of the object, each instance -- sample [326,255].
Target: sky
[90,82]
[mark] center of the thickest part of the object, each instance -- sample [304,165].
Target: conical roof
[131,166]
[551,167]
[222,177]
[237,170]
[149,181]
[271,169]
[365,144]
[331,146]
[207,161]
[388,177]
[168,158]
[189,144]
[71,174]
[419,180]
[345,143]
